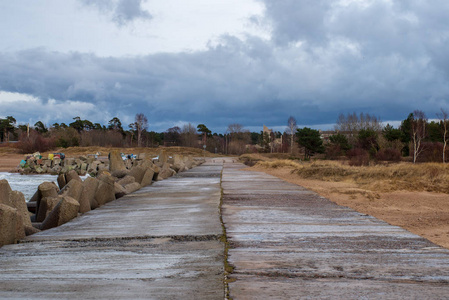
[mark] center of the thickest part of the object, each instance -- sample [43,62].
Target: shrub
[341,141]
[333,151]
[237,147]
[388,154]
[251,159]
[358,157]
[34,143]
[104,138]
[367,139]
[432,152]
[66,137]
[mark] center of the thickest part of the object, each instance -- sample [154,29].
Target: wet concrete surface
[289,243]
[162,242]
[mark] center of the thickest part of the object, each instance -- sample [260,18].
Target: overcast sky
[219,62]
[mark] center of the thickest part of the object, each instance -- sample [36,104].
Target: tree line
[363,138]
[80,132]
[359,137]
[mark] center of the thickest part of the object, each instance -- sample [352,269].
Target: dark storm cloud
[122,12]
[295,20]
[385,58]
[233,82]
[247,82]
[380,52]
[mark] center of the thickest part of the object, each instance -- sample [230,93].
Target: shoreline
[10,162]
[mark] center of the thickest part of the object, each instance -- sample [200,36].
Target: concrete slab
[181,205]
[162,242]
[112,269]
[290,243]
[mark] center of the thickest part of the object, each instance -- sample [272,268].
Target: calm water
[27,184]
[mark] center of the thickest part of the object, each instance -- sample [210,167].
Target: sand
[423,213]
[9,162]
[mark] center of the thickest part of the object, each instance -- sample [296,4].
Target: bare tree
[234,128]
[140,125]
[353,123]
[291,129]
[172,136]
[418,132]
[189,136]
[367,121]
[237,138]
[443,116]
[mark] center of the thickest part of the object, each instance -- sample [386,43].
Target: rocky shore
[83,164]
[53,205]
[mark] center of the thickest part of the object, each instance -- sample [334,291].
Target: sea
[27,184]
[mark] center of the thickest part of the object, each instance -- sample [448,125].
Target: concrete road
[162,242]
[289,243]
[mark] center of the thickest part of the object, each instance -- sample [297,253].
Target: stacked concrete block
[53,206]
[82,165]
[14,219]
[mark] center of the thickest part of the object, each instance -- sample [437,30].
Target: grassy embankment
[73,151]
[10,157]
[429,177]
[414,197]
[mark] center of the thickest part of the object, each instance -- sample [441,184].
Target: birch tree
[140,125]
[443,116]
[418,132]
[291,129]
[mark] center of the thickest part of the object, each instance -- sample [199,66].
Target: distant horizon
[323,127]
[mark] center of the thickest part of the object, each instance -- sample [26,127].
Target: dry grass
[252,159]
[10,158]
[280,163]
[74,151]
[151,151]
[430,177]
[8,149]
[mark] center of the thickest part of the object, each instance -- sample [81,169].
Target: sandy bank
[422,213]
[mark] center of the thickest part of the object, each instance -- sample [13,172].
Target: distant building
[275,143]
[326,134]
[265,129]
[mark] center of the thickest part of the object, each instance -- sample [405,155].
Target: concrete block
[5,191]
[132,187]
[66,210]
[72,174]
[147,178]
[11,226]
[137,172]
[18,201]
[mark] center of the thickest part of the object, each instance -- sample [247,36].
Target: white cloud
[227,61]
[8,98]
[30,109]
[121,12]
[175,26]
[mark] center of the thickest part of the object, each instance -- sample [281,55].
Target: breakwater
[83,164]
[28,184]
[55,204]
